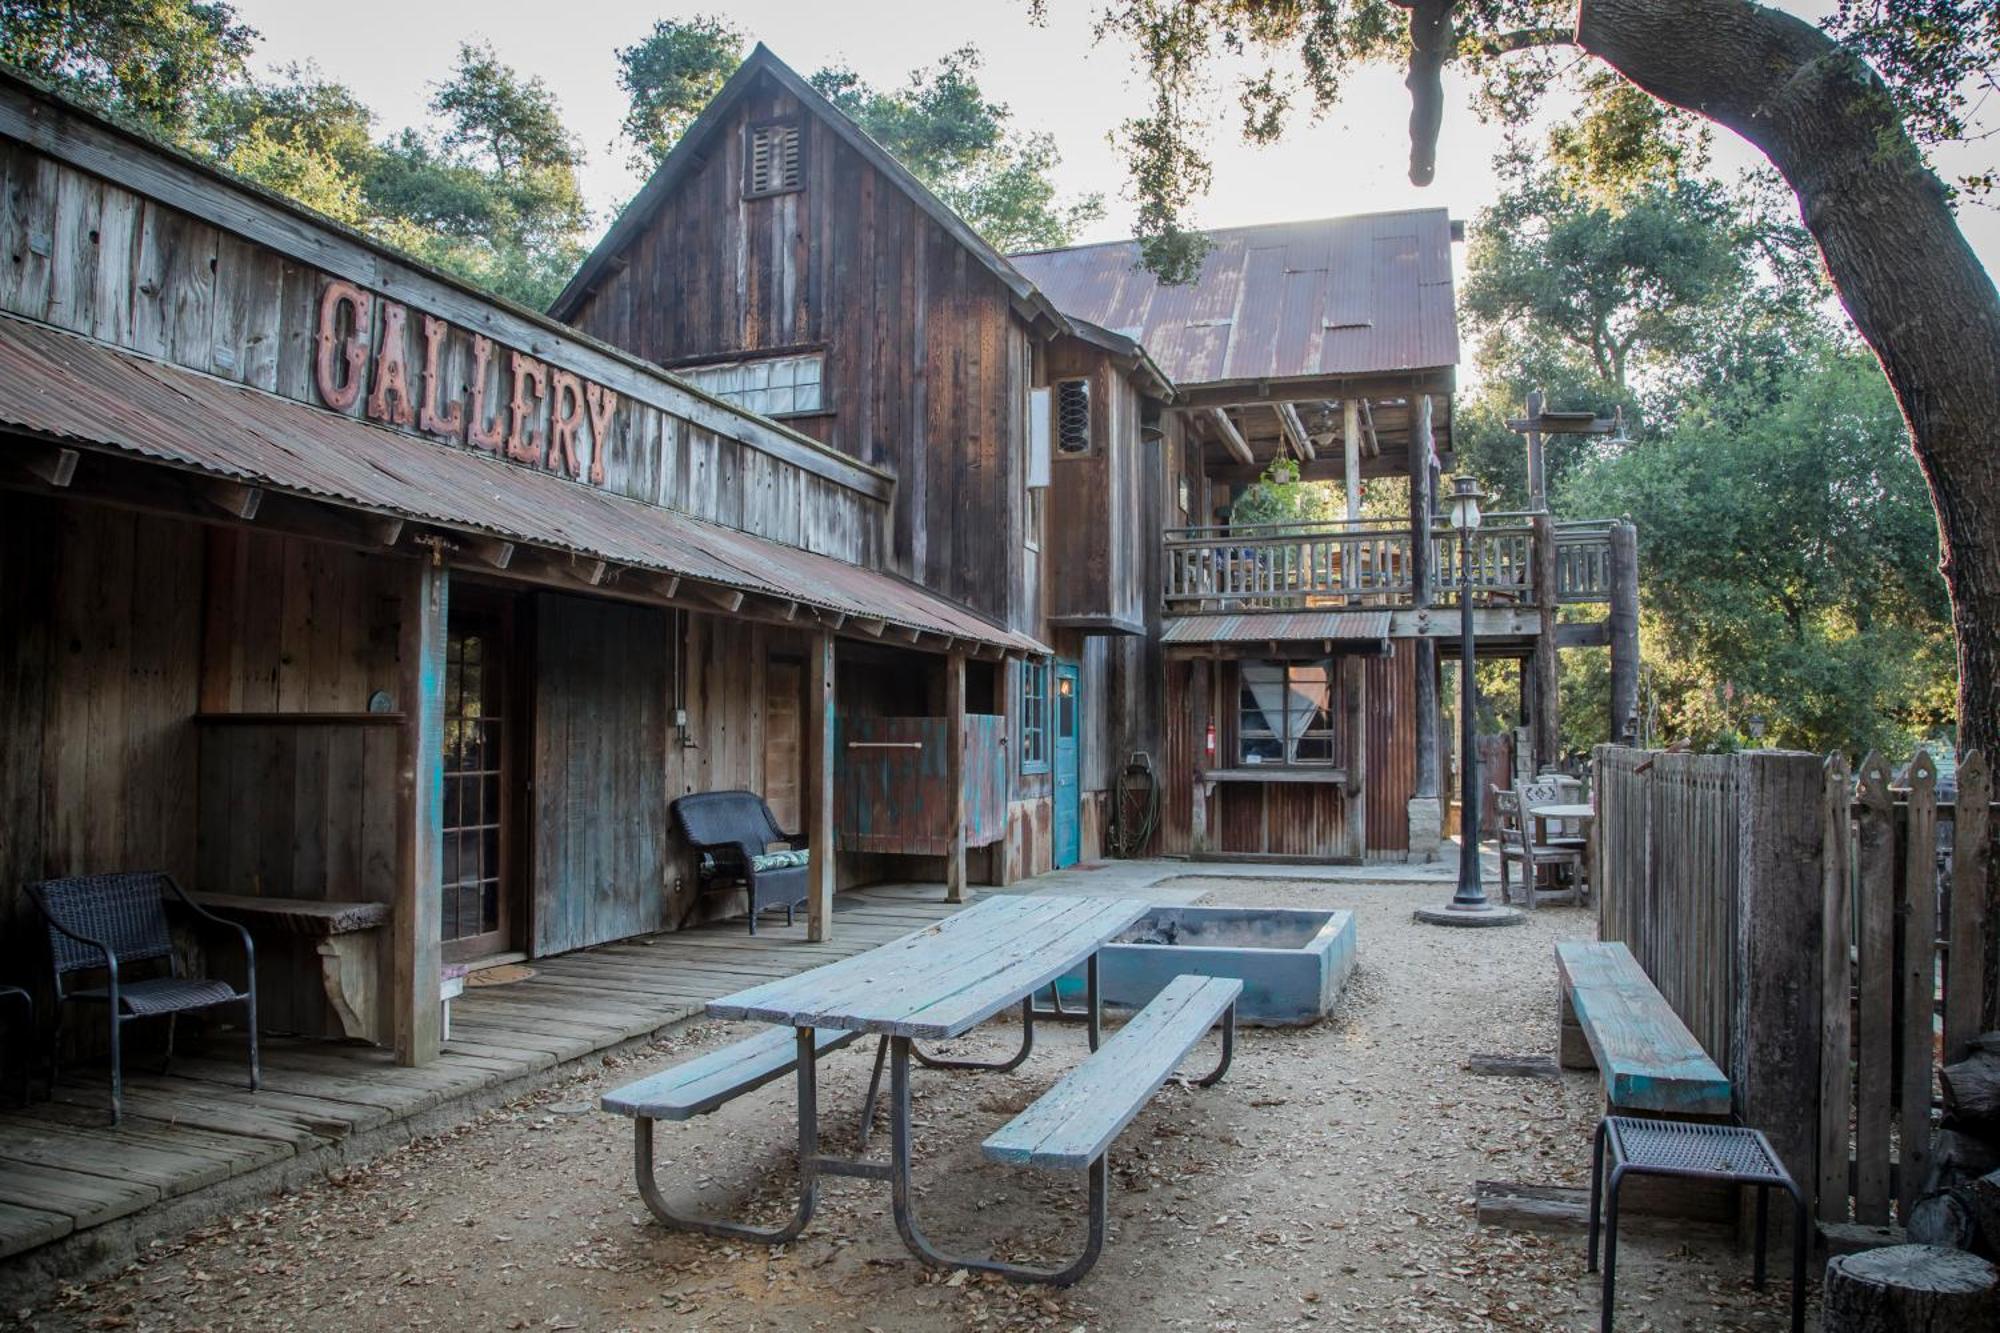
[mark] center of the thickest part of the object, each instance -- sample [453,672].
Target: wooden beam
[871,625]
[234,499]
[1350,443]
[52,465]
[1368,435]
[1232,438]
[954,776]
[664,586]
[591,570]
[819,821]
[905,633]
[488,550]
[1295,431]
[420,812]
[1202,398]
[728,599]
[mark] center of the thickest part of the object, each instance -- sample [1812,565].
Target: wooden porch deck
[64,1172]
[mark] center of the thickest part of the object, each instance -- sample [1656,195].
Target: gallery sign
[510,403]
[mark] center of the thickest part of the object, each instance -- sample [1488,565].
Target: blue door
[1068,811]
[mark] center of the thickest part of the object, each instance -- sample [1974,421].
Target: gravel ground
[1327,1182]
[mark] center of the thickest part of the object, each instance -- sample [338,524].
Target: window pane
[1263,750]
[1314,750]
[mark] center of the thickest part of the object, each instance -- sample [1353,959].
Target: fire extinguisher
[1208,746]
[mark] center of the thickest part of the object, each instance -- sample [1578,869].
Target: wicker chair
[732,830]
[112,921]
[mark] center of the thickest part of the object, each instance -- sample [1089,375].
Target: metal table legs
[898,1053]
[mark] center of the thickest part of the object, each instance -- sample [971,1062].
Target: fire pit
[1292,963]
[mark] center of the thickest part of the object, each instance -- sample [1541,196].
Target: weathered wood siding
[95,258]
[891,784]
[102,618]
[1098,537]
[927,366]
[1392,748]
[599,822]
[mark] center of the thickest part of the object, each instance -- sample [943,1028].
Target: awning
[1370,627]
[61,385]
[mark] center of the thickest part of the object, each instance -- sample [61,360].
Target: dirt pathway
[1326,1183]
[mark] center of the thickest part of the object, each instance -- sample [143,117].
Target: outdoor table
[1583,814]
[934,984]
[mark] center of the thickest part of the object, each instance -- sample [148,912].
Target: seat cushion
[165,995]
[780,860]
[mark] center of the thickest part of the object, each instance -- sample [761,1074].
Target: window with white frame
[777,386]
[1035,716]
[1284,713]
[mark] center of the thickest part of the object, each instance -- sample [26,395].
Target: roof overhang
[1278,633]
[219,446]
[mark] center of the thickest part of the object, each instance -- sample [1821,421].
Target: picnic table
[935,984]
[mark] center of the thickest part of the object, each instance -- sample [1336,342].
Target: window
[1035,716]
[1284,713]
[772,160]
[777,386]
[1073,416]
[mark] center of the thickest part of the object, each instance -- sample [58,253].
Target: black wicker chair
[111,921]
[732,829]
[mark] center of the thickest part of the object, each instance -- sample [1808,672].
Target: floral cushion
[780,860]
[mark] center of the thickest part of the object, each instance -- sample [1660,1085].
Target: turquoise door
[1068,796]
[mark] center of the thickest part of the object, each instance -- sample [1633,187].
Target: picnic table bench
[935,984]
[1617,1022]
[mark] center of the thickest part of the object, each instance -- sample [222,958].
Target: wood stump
[1911,1289]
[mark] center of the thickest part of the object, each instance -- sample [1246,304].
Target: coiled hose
[1135,793]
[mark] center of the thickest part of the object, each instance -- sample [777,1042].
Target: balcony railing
[1367,563]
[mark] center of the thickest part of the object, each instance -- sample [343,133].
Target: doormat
[500,976]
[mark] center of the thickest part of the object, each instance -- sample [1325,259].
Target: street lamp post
[1468,906]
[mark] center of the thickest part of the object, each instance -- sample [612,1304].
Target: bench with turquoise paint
[1646,1056]
[1072,1125]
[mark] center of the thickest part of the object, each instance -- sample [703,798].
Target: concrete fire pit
[1292,963]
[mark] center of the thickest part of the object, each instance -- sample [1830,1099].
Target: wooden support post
[1426,813]
[954,775]
[1548,719]
[1538,481]
[1774,1044]
[1624,634]
[1354,689]
[1350,442]
[820,835]
[420,791]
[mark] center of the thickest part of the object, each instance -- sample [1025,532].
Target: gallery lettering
[536,414]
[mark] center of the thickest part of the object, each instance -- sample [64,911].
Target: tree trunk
[1909,1289]
[1892,247]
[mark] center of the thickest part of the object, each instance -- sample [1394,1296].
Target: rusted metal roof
[1332,296]
[1270,626]
[61,385]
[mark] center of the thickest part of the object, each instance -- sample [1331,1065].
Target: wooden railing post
[1775,1028]
[1965,991]
[1548,722]
[820,832]
[954,776]
[1836,1079]
[1624,623]
[1874,880]
[420,788]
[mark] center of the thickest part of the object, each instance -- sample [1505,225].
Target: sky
[1056,78]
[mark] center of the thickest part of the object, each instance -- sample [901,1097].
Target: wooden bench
[1617,1022]
[349,942]
[1072,1124]
[707,1082]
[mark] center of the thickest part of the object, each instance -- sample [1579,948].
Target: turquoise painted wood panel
[1648,1059]
[1067,816]
[891,784]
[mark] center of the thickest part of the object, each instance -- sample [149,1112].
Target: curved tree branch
[1524,39]
[1886,232]
[1430,43]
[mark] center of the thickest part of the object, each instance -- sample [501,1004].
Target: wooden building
[328,580]
[783,259]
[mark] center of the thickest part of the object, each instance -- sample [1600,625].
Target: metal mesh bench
[735,829]
[1729,1154]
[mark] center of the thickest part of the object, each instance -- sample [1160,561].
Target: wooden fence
[1825,934]
[1905,972]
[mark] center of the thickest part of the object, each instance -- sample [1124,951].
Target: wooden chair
[1518,843]
[109,922]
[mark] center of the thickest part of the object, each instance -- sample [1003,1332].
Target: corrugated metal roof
[1269,626]
[63,385]
[1331,296]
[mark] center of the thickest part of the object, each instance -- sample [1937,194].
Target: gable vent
[773,164]
[1073,416]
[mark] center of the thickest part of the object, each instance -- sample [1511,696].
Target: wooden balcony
[1366,564]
